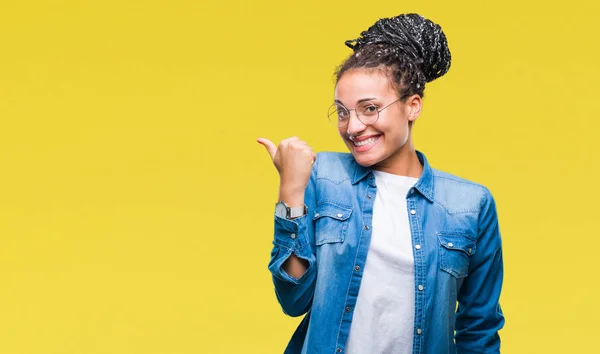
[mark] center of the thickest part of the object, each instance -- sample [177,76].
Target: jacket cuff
[292,235]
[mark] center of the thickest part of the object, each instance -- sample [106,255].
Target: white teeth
[365,142]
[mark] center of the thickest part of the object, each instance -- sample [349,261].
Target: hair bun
[420,39]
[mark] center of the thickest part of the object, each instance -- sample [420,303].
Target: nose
[355,126]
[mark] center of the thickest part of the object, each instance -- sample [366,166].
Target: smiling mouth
[366,141]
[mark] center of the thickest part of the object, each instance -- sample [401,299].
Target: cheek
[398,134]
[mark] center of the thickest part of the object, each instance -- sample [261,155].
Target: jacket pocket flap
[335,211]
[455,241]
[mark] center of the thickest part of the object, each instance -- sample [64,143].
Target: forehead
[356,84]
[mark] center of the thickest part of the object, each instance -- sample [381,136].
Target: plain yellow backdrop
[136,206]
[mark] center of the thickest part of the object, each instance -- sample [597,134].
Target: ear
[413,104]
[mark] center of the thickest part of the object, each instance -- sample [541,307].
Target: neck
[404,163]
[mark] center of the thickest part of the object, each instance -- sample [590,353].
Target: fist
[293,159]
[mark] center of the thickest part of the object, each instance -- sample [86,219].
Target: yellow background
[136,206]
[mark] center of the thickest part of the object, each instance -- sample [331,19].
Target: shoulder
[334,166]
[459,195]
[330,157]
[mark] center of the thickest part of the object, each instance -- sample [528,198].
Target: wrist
[290,213]
[293,196]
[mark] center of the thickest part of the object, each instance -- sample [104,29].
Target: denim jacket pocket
[455,252]
[331,222]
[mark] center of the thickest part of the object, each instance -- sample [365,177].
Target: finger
[298,144]
[268,144]
[288,140]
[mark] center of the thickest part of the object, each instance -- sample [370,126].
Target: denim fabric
[457,256]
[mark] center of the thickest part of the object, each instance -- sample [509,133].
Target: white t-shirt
[383,320]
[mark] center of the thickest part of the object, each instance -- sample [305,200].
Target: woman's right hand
[293,159]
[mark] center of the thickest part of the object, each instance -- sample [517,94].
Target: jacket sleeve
[295,236]
[479,316]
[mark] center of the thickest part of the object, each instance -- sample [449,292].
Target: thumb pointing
[268,144]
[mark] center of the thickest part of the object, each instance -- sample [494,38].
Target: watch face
[280,210]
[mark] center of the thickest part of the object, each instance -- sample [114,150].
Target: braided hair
[411,49]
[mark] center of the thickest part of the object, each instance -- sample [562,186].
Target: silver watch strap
[298,211]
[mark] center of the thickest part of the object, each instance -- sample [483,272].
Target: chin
[365,160]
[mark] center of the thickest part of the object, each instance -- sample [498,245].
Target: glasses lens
[338,115]
[367,112]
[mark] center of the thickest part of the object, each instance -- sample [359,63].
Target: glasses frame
[337,121]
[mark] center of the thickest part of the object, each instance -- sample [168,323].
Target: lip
[364,137]
[361,149]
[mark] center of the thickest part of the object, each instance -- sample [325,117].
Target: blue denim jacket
[457,259]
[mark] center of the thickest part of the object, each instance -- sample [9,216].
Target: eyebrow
[359,101]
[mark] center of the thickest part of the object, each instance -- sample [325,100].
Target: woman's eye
[371,109]
[342,113]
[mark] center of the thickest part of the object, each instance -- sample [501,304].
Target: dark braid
[411,49]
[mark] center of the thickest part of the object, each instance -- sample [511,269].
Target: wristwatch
[284,211]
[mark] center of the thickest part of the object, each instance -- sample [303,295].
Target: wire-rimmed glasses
[366,111]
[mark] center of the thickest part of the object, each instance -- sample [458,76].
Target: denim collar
[424,185]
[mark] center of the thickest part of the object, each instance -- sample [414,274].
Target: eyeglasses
[367,112]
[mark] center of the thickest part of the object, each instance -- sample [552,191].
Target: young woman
[377,247]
